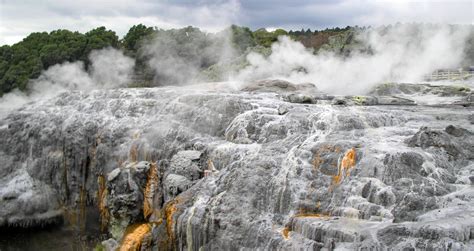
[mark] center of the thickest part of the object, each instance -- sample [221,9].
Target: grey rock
[385,100]
[426,89]
[449,140]
[175,184]
[112,175]
[186,164]
[279,86]
[300,98]
[125,196]
[371,100]
[110,244]
[282,109]
[279,181]
[455,131]
[340,101]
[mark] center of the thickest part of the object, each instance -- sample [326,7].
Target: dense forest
[26,60]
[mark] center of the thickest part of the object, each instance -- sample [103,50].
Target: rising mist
[399,53]
[402,53]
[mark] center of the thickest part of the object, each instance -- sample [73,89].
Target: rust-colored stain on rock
[347,163]
[134,236]
[149,192]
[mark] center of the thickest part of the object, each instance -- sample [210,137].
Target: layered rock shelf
[269,165]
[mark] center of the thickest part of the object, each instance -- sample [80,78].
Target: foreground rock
[178,168]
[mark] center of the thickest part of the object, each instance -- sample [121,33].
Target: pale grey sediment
[275,150]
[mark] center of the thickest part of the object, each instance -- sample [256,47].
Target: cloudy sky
[18,18]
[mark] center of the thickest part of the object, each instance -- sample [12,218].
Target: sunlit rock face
[268,166]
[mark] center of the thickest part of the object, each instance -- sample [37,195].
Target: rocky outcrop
[453,140]
[278,86]
[184,169]
[126,196]
[187,168]
[424,89]
[26,202]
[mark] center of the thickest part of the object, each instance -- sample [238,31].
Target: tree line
[26,59]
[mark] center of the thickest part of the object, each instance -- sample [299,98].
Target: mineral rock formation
[274,166]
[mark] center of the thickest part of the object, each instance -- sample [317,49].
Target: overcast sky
[18,18]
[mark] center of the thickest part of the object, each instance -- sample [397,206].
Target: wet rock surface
[182,168]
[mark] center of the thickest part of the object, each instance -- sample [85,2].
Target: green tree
[135,35]
[38,51]
[265,38]
[100,38]
[280,32]
[242,38]
[6,55]
[72,44]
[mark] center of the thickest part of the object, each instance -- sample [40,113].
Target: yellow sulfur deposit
[302,214]
[311,215]
[349,160]
[170,209]
[347,163]
[101,197]
[286,233]
[134,237]
[136,135]
[151,185]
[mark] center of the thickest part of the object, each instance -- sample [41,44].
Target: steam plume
[109,68]
[178,56]
[401,53]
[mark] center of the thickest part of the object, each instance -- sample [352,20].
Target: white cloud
[19,18]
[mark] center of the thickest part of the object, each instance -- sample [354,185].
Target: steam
[177,57]
[109,68]
[404,53]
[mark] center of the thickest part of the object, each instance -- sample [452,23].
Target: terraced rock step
[269,165]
